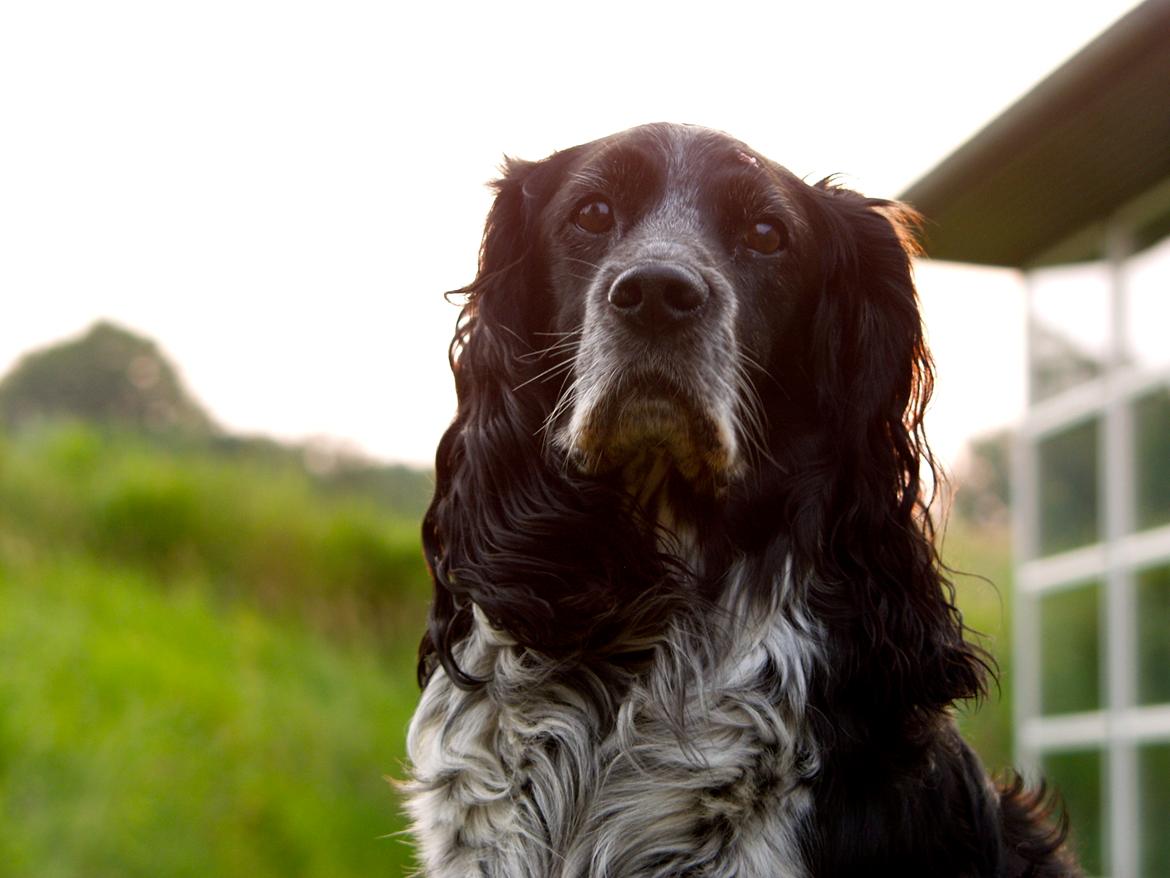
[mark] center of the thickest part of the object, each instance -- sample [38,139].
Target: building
[1071,186]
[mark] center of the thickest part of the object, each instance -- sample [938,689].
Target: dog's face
[668,316]
[675,261]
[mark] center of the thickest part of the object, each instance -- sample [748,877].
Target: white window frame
[1120,726]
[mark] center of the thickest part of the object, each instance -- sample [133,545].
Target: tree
[108,376]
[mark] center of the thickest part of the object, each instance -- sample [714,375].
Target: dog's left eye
[594,216]
[765,236]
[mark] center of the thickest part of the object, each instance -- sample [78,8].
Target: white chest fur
[701,773]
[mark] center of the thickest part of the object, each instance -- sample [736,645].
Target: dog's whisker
[586,262]
[752,415]
[546,374]
[565,401]
[514,334]
[566,344]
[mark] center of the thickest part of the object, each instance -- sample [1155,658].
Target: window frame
[1120,726]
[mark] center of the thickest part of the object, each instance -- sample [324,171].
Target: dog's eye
[594,216]
[765,236]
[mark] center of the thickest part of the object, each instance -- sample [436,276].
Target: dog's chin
[649,437]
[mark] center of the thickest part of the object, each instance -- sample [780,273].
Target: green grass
[251,529]
[207,660]
[151,733]
[981,557]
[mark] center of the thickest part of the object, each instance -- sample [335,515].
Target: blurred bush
[208,641]
[208,660]
[150,733]
[107,376]
[255,529]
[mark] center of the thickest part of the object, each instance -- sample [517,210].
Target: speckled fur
[697,768]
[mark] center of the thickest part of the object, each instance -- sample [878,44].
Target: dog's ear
[500,308]
[542,554]
[490,421]
[880,571]
[873,367]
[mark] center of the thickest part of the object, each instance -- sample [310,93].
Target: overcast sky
[280,192]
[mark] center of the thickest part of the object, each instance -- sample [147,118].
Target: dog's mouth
[651,425]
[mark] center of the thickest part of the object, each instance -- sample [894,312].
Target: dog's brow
[588,178]
[621,165]
[748,185]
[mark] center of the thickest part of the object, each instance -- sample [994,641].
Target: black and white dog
[689,619]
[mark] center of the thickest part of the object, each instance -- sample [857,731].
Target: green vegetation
[980,556]
[207,641]
[107,376]
[253,528]
[208,662]
[151,733]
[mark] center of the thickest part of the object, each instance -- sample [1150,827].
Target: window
[1067,462]
[1070,310]
[1151,436]
[1147,286]
[1153,638]
[1093,518]
[1070,650]
[1154,808]
[1077,774]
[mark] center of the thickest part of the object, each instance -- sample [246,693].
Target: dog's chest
[698,768]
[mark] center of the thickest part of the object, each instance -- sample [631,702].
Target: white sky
[280,192]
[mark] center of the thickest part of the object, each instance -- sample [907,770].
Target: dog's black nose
[658,296]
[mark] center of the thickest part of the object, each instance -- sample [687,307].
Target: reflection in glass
[1067,474]
[1153,638]
[1147,286]
[1077,777]
[1070,670]
[1070,333]
[1154,809]
[1151,437]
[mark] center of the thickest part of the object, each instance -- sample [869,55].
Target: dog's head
[669,330]
[661,290]
[674,262]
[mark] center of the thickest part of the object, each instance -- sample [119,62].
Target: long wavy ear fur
[868,546]
[509,529]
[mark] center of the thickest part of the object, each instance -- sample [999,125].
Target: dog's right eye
[595,217]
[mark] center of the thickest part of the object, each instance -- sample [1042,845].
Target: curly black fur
[573,569]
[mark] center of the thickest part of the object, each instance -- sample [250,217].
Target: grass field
[207,662]
[153,733]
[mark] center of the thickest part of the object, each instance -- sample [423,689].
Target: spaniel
[688,616]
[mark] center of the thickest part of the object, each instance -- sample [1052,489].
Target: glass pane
[1070,330]
[1067,484]
[1077,778]
[1147,284]
[1070,670]
[1154,809]
[1153,637]
[1151,436]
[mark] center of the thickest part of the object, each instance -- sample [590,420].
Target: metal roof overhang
[1088,139]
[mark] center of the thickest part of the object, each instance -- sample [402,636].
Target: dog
[688,617]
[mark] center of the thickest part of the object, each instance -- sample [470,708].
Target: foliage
[208,662]
[979,554]
[108,376]
[208,657]
[253,528]
[983,495]
[158,733]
